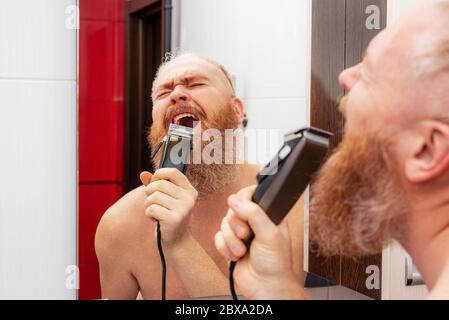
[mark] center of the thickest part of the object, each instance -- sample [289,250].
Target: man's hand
[267,271]
[170,199]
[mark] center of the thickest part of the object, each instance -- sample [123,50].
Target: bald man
[189,207]
[389,178]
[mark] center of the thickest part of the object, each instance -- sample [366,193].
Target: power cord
[161,254]
[159,237]
[231,280]
[181,137]
[232,265]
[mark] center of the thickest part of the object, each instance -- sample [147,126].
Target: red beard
[206,178]
[357,203]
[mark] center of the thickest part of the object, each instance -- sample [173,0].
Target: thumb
[145,177]
[283,227]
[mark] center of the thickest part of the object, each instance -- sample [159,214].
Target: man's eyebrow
[194,77]
[184,79]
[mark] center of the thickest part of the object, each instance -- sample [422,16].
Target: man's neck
[428,238]
[216,203]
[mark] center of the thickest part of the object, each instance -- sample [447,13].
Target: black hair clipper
[177,145]
[282,181]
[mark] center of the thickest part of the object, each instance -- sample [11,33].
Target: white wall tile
[396,8]
[318,293]
[393,276]
[277,114]
[34,40]
[343,293]
[38,188]
[263,44]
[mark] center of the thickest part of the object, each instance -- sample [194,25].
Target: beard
[207,179]
[357,204]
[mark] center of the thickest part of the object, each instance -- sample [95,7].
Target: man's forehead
[400,44]
[379,44]
[187,67]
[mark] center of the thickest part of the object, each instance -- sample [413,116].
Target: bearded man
[188,88]
[388,179]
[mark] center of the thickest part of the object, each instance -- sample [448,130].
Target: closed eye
[162,94]
[196,84]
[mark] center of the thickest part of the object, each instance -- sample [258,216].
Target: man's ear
[429,158]
[239,108]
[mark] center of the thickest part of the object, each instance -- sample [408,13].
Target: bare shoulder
[121,224]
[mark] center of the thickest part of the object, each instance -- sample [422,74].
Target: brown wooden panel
[339,37]
[354,274]
[328,58]
[353,271]
[358,36]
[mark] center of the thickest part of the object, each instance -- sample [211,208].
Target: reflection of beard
[205,178]
[357,204]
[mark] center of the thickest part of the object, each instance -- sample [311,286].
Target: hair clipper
[285,178]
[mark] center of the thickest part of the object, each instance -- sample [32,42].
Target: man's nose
[349,77]
[179,94]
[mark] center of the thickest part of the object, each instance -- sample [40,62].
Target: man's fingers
[240,227]
[173,175]
[257,219]
[145,177]
[162,200]
[221,246]
[234,244]
[164,186]
[157,212]
[283,227]
[247,193]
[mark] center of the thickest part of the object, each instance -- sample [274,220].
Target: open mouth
[185,119]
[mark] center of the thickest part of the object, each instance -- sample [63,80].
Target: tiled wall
[335,293]
[38,147]
[101,126]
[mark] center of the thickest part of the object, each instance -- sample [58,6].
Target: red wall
[101,126]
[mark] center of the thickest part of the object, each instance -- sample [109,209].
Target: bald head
[425,30]
[405,74]
[223,75]
[433,55]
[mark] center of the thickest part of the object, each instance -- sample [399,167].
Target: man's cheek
[156,112]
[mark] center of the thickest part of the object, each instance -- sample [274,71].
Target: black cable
[159,237]
[231,280]
[161,254]
[232,265]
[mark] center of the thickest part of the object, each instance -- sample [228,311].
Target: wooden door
[145,47]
